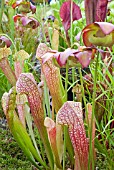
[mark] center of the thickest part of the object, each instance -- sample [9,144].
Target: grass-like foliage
[56,76]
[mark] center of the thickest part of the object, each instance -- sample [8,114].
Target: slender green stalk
[65,139]
[29,124]
[65,128]
[41,148]
[83,94]
[11,12]
[1,12]
[69,147]
[66,80]
[71,38]
[73,79]
[91,158]
[46,98]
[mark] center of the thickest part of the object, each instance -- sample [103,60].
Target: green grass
[11,156]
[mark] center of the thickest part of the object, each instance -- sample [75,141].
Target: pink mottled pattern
[71,114]
[41,50]
[18,68]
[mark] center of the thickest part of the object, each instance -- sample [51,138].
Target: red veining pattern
[26,84]
[71,114]
[5,66]
[52,75]
[101,10]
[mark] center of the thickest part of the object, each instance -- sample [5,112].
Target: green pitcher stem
[91,158]
[65,129]
[66,81]
[83,94]
[64,151]
[11,13]
[67,141]
[1,12]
